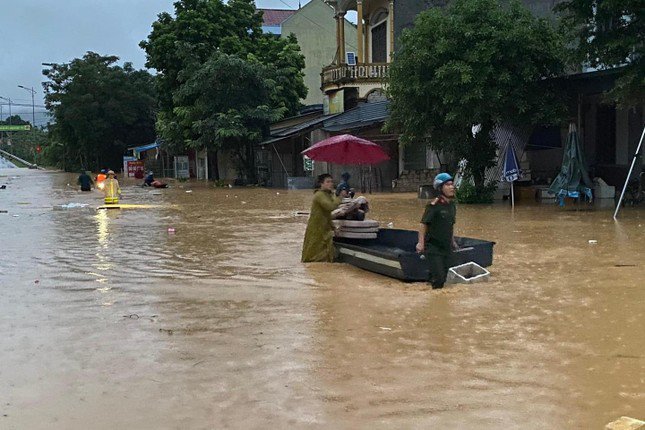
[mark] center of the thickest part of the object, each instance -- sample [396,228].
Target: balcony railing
[342,73]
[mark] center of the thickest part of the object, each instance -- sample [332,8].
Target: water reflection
[102,228]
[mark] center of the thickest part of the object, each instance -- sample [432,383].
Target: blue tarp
[139,149]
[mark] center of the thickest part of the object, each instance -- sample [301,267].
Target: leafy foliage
[467,193]
[203,37]
[99,109]
[610,34]
[226,104]
[473,63]
[198,29]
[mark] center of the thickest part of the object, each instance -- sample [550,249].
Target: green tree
[473,63]
[200,32]
[14,120]
[99,110]
[284,65]
[610,34]
[198,29]
[226,104]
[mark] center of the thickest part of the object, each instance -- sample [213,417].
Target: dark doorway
[379,43]
[606,134]
[414,157]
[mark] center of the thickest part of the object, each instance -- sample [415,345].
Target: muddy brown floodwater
[108,321]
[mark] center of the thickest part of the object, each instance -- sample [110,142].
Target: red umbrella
[347,149]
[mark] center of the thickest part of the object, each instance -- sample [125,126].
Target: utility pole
[9,100]
[33,119]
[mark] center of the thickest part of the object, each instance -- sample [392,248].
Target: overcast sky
[54,31]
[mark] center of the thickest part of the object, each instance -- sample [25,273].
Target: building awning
[295,130]
[363,115]
[139,149]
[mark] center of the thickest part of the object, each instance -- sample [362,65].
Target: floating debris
[72,206]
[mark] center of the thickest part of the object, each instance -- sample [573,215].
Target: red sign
[38,149]
[133,166]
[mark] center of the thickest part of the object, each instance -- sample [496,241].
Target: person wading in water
[319,237]
[436,239]
[111,189]
[85,181]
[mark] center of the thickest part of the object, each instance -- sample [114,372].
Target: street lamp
[33,106]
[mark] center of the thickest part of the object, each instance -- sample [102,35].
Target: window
[379,43]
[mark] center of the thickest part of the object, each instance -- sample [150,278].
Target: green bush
[221,183]
[467,193]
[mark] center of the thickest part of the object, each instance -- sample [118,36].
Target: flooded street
[108,321]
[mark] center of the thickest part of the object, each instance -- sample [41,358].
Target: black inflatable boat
[393,253]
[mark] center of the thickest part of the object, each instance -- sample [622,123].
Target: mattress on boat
[352,224]
[351,229]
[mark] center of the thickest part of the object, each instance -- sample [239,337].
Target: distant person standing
[111,189]
[344,183]
[85,181]
[436,234]
[100,179]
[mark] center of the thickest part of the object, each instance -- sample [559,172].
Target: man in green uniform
[436,238]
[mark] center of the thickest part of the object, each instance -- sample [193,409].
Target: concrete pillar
[361,37]
[338,25]
[341,20]
[391,24]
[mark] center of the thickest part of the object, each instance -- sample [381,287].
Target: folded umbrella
[511,169]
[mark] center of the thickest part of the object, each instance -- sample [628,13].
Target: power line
[22,104]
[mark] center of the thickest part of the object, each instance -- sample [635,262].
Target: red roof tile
[275,17]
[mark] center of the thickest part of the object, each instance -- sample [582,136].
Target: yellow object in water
[126,206]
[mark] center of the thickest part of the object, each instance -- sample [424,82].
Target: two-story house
[358,76]
[609,134]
